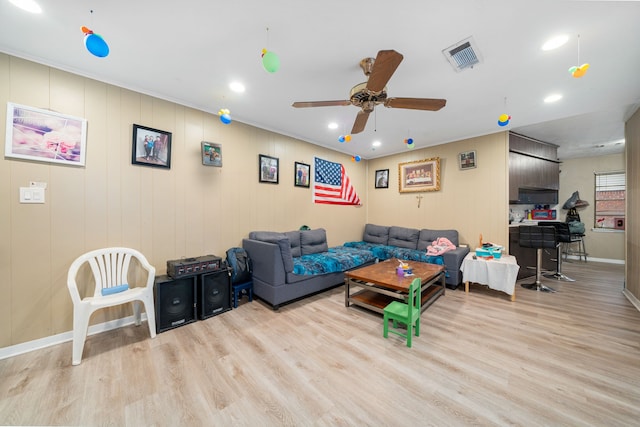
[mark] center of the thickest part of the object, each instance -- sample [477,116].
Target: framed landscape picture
[151,147]
[45,136]
[268,170]
[420,175]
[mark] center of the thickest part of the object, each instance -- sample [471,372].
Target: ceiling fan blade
[384,66]
[361,122]
[415,103]
[320,104]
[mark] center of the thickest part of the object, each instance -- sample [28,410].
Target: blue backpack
[240,263]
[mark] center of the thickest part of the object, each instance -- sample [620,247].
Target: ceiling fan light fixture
[463,55]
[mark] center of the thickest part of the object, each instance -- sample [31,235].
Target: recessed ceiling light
[376,143]
[555,42]
[237,87]
[333,125]
[553,98]
[28,5]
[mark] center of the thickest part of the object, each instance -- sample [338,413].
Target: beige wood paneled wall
[578,175]
[472,201]
[632,147]
[189,210]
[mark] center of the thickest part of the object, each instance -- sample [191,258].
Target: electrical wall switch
[31,195]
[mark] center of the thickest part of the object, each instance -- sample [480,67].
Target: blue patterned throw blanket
[337,259]
[383,252]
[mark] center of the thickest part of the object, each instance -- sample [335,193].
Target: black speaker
[175,301]
[214,293]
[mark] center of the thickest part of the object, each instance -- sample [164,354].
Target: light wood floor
[565,359]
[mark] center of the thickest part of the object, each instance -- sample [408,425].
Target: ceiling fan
[374,91]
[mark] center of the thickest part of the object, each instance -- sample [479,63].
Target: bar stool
[563,236]
[581,251]
[539,238]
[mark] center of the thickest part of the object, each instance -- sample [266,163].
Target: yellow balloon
[347,138]
[503,117]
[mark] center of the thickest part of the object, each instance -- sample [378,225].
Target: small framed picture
[268,169]
[211,154]
[467,160]
[151,147]
[382,178]
[302,172]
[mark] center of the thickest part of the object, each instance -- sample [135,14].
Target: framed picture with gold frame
[419,175]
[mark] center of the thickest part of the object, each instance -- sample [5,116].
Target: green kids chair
[407,314]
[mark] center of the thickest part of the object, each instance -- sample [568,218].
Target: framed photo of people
[211,154]
[268,169]
[151,147]
[382,178]
[302,175]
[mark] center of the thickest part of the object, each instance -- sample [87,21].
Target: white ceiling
[189,51]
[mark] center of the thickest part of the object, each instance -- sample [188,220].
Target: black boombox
[192,266]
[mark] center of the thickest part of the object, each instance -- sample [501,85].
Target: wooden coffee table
[379,284]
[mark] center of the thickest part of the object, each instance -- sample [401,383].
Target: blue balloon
[225,118]
[341,138]
[506,122]
[96,45]
[357,158]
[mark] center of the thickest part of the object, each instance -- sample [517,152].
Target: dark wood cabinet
[532,165]
[526,257]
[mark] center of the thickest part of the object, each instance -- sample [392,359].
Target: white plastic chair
[110,267]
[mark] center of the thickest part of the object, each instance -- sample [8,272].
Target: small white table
[499,274]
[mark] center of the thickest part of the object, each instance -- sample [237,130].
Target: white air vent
[463,55]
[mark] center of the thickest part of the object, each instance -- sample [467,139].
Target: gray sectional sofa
[291,265]
[411,244]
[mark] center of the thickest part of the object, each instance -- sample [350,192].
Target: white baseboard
[589,258]
[26,347]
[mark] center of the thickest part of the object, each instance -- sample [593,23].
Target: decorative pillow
[427,236]
[376,234]
[267,236]
[313,241]
[403,237]
[279,239]
[294,239]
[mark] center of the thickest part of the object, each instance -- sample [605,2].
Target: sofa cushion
[294,239]
[313,241]
[279,239]
[403,237]
[332,260]
[427,236]
[376,234]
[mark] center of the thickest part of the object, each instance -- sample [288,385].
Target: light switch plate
[31,195]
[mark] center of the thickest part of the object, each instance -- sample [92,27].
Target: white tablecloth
[499,274]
